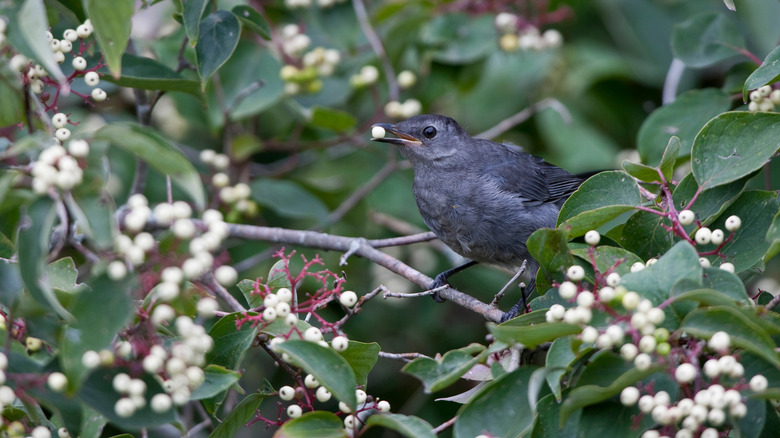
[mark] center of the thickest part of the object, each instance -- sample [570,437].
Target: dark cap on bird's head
[425,137]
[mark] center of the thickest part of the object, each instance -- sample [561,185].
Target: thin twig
[221,292]
[406,357]
[525,114]
[444,426]
[424,293]
[503,290]
[376,45]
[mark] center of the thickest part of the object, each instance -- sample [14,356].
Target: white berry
[348,298]
[322,394]
[340,343]
[720,341]
[685,373]
[592,237]
[286,393]
[312,334]
[124,407]
[98,95]
[575,273]
[686,217]
[567,290]
[92,79]
[57,381]
[79,63]
[294,411]
[703,236]
[378,132]
[758,383]
[226,275]
[733,223]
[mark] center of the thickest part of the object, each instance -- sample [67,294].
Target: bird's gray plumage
[482,199]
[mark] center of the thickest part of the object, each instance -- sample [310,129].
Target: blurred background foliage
[304,154]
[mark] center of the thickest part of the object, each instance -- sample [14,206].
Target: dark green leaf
[33,247]
[100,313]
[7,249]
[112,22]
[32,23]
[321,424]
[218,379]
[655,282]
[768,72]
[158,153]
[230,343]
[608,193]
[533,335]
[549,423]
[550,249]
[219,33]
[437,374]
[406,425]
[239,416]
[509,395]
[733,145]
[63,276]
[744,331]
[192,12]
[332,119]
[12,103]
[669,159]
[148,74]
[560,355]
[682,118]
[361,358]
[328,367]
[644,235]
[705,39]
[287,198]
[247,287]
[254,20]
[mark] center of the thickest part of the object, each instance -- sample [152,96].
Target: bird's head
[425,139]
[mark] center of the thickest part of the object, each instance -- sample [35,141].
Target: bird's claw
[439,281]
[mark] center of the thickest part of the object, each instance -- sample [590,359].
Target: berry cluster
[398,110]
[56,166]
[705,236]
[528,37]
[237,197]
[711,394]
[764,99]
[304,71]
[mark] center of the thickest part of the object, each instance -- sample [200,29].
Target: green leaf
[748,245]
[655,282]
[710,203]
[287,198]
[63,276]
[669,159]
[709,297]
[112,23]
[230,342]
[768,72]
[191,14]
[361,357]
[239,415]
[320,424]
[641,172]
[682,118]
[733,145]
[7,249]
[597,201]
[158,153]
[100,313]
[12,103]
[437,374]
[560,355]
[509,395]
[332,119]
[328,367]
[644,235]
[705,39]
[550,249]
[254,20]
[219,33]
[218,379]
[533,335]
[149,74]
[406,425]
[744,331]
[33,247]
[459,38]
[32,23]
[609,257]
[98,392]
[247,287]
[549,423]
[99,214]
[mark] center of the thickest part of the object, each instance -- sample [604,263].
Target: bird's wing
[530,178]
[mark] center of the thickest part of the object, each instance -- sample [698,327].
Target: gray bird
[482,199]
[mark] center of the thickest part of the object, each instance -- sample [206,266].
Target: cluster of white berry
[317,63]
[710,407]
[705,236]
[277,306]
[368,75]
[288,393]
[398,110]
[294,4]
[529,38]
[56,166]
[764,99]
[237,196]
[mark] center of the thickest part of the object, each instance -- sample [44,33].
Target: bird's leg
[441,279]
[520,306]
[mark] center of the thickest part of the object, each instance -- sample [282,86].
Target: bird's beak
[401,138]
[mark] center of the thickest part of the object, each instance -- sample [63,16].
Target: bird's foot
[439,281]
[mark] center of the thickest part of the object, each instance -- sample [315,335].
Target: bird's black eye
[429,132]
